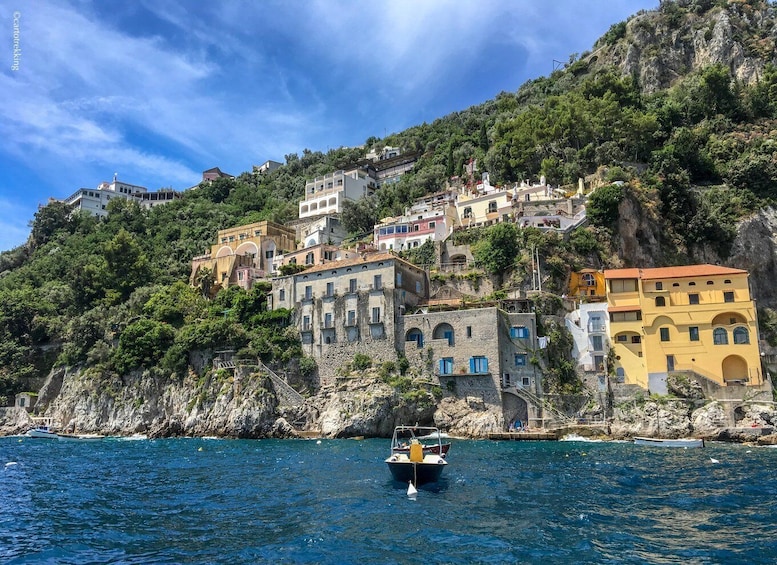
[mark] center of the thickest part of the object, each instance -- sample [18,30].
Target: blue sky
[158,91]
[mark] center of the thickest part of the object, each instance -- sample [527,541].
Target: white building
[325,195]
[588,326]
[95,201]
[425,220]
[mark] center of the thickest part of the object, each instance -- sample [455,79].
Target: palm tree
[203,280]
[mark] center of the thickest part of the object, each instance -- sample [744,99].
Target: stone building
[486,352]
[351,306]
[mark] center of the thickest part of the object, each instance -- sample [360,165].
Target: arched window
[720,336]
[588,279]
[660,301]
[415,335]
[443,331]
[741,335]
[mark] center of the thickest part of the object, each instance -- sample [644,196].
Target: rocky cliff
[661,46]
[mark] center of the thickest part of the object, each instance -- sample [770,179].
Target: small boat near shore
[45,428]
[680,442]
[415,466]
[430,442]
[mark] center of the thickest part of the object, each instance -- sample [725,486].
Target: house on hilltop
[95,201]
[326,194]
[243,254]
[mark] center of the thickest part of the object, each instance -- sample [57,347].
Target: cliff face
[218,404]
[683,35]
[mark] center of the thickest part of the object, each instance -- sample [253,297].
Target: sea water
[333,501]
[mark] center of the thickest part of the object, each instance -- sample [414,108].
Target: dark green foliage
[142,344]
[424,255]
[602,209]
[361,362]
[497,252]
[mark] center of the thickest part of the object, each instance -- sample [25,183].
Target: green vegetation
[693,159]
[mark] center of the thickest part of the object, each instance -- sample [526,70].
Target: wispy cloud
[159,91]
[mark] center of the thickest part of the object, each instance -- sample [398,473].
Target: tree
[48,220]
[497,252]
[359,216]
[127,266]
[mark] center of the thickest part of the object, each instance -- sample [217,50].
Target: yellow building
[587,284]
[243,254]
[698,320]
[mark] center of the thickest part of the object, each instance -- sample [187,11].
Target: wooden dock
[540,435]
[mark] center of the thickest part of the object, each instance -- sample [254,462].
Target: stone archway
[514,408]
[734,368]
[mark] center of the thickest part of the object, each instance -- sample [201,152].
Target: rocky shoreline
[247,406]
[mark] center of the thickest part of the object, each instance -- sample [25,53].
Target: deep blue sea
[301,501]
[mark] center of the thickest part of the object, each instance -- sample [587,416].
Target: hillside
[679,103]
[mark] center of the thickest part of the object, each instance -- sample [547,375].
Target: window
[691,283]
[588,279]
[521,359]
[469,331]
[741,335]
[693,298]
[623,285]
[431,225]
[491,207]
[446,366]
[659,286]
[377,282]
[519,332]
[399,279]
[376,315]
[664,334]
[728,296]
[309,259]
[622,338]
[416,336]
[282,294]
[693,333]
[305,323]
[636,339]
[330,289]
[328,320]
[525,381]
[596,343]
[352,285]
[660,301]
[418,287]
[595,324]
[670,362]
[720,336]
[468,212]
[240,275]
[351,318]
[269,253]
[478,364]
[308,292]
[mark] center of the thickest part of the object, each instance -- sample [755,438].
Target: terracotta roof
[672,272]
[621,273]
[358,260]
[630,308]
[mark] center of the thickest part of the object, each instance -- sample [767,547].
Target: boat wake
[575,437]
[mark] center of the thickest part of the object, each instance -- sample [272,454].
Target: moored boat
[415,465]
[44,429]
[660,442]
